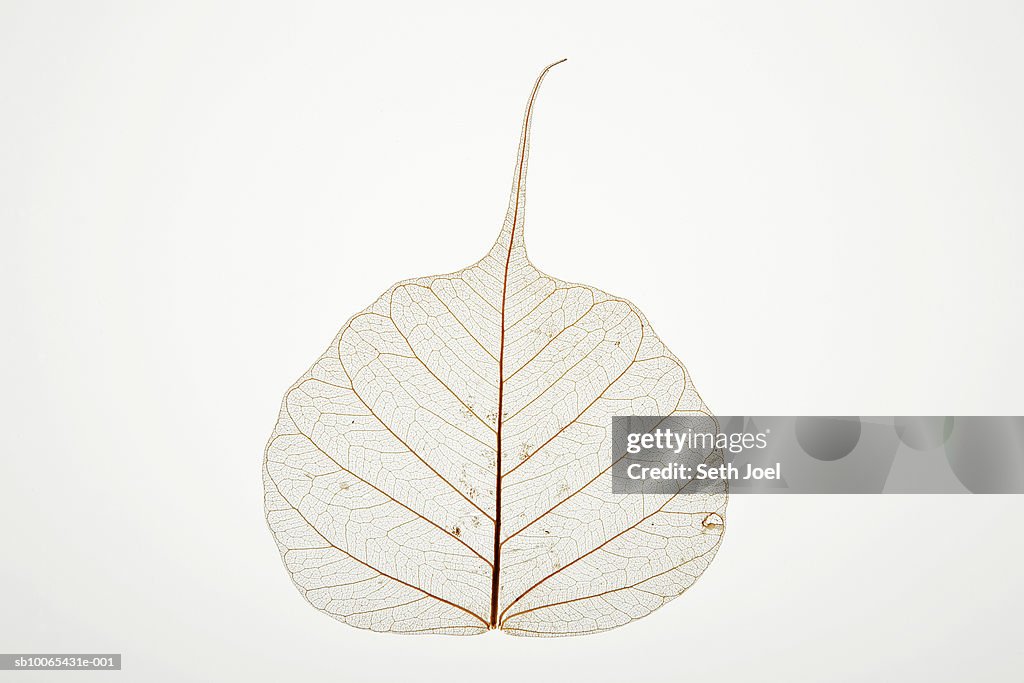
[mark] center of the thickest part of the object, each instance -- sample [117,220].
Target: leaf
[443,466]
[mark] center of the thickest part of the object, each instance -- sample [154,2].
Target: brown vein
[365,564]
[583,412]
[590,552]
[572,367]
[421,362]
[407,446]
[441,301]
[709,551]
[549,342]
[573,494]
[384,493]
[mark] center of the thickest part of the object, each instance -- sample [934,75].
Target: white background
[818,205]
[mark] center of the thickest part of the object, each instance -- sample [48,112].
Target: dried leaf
[443,467]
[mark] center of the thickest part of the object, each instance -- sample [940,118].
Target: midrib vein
[496,572]
[496,566]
